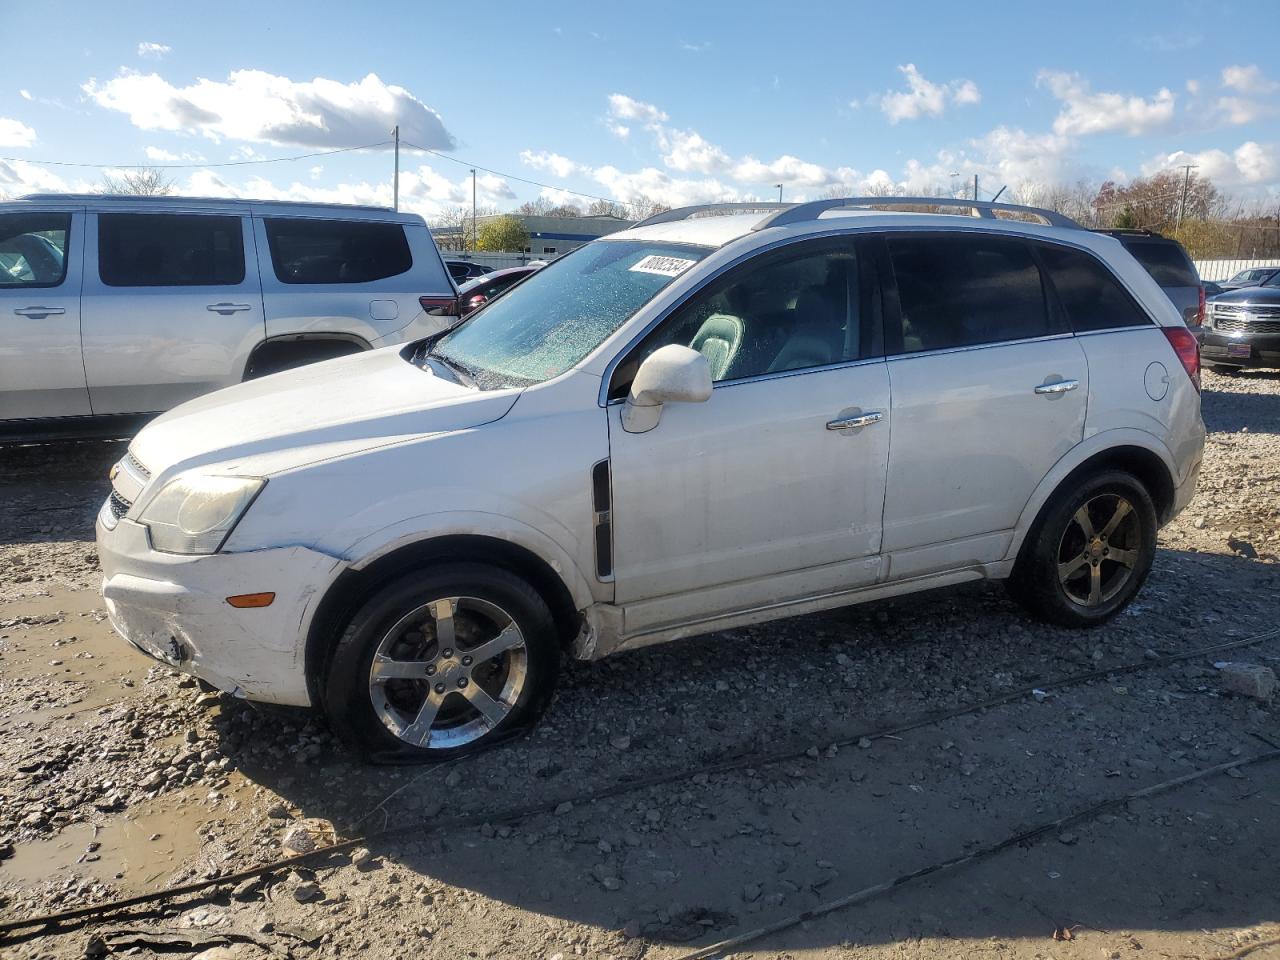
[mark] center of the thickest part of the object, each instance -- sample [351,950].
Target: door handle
[1058,386]
[39,312]
[226,308]
[857,420]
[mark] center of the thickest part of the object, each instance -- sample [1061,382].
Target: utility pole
[474,232]
[779,186]
[975,186]
[395,181]
[1186,182]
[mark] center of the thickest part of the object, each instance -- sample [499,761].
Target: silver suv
[113,309]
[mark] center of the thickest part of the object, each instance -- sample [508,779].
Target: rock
[620,743]
[453,779]
[1067,838]
[307,835]
[247,889]
[751,893]
[278,811]
[563,808]
[307,891]
[361,856]
[611,884]
[1249,679]
[864,743]
[631,929]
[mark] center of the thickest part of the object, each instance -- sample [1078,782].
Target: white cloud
[25,94]
[152,51]
[689,153]
[623,107]
[262,107]
[1240,110]
[15,133]
[1085,112]
[553,163]
[17,177]
[657,185]
[1193,86]
[160,155]
[619,130]
[1248,79]
[1250,165]
[925,98]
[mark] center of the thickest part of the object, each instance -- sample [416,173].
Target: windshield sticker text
[665,266]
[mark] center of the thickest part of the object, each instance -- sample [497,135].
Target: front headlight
[196,514]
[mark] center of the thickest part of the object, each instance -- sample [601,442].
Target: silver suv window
[963,290]
[170,250]
[306,250]
[33,248]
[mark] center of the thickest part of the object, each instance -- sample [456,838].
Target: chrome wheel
[448,672]
[1099,550]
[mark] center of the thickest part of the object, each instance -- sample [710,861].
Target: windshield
[1272,281]
[558,315]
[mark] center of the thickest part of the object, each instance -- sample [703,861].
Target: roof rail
[801,212]
[684,213]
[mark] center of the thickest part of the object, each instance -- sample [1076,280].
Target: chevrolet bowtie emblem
[115,469]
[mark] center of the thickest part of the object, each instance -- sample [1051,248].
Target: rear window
[170,250]
[306,250]
[1091,296]
[1167,262]
[33,249]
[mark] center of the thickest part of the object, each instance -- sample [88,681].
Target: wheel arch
[356,583]
[306,348]
[1133,451]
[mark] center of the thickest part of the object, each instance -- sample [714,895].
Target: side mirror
[671,374]
[442,314]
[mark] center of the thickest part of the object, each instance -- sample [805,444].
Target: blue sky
[679,102]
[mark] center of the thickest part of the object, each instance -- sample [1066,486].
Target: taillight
[1200,310]
[476,302]
[1184,345]
[440,306]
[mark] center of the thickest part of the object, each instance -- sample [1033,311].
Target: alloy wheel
[448,672]
[1099,549]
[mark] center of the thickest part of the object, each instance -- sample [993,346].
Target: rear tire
[466,657]
[1089,551]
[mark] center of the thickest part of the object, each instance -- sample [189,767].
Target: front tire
[442,662]
[1089,552]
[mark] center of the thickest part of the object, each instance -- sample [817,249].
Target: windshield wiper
[460,373]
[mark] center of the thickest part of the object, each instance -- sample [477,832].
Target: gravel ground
[118,776]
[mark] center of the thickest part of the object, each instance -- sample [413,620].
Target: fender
[430,526]
[1077,455]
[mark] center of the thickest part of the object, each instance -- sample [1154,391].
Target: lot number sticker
[663,266]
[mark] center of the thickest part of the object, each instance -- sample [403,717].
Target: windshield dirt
[563,312]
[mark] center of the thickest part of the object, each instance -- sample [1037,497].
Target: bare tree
[608,208]
[644,206]
[451,227]
[138,182]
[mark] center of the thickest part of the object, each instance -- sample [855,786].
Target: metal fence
[1220,270]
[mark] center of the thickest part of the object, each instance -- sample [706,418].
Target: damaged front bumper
[174,608]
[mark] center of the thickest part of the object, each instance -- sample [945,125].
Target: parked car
[1211,289]
[464,270]
[1251,277]
[113,309]
[693,424]
[1167,262]
[1242,328]
[474,294]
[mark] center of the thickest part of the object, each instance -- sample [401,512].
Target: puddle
[135,852]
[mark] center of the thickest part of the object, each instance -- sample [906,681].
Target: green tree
[502,233]
[1126,219]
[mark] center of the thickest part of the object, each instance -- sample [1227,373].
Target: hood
[315,412]
[1267,295]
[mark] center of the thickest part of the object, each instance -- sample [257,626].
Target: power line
[195,166]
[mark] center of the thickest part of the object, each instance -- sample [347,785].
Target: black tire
[349,690]
[1051,548]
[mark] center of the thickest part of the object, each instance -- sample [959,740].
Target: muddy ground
[118,776]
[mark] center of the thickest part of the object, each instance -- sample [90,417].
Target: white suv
[701,422]
[113,309]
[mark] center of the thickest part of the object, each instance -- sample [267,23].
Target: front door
[41,372]
[773,488]
[172,307]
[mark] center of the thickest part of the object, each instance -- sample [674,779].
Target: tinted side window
[33,249]
[782,312]
[1167,263]
[962,290]
[1091,296]
[304,250]
[169,250]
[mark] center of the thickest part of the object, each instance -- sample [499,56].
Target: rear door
[350,278]
[989,391]
[41,372]
[172,307]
